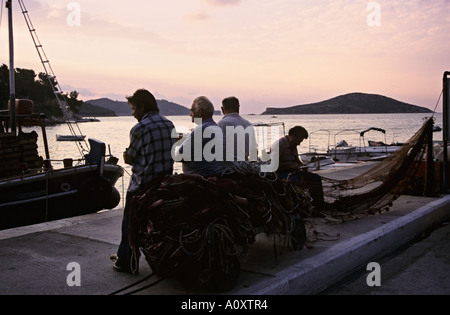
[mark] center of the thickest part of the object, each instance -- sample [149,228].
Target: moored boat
[70,137]
[370,151]
[32,190]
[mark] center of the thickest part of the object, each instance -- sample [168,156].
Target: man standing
[239,132]
[149,153]
[203,151]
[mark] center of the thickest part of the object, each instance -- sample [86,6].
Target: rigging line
[133,284]
[57,90]
[145,287]
[123,193]
[437,103]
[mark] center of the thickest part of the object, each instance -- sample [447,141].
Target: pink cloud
[198,16]
[223,2]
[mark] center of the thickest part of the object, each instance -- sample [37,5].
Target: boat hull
[57,194]
[362,154]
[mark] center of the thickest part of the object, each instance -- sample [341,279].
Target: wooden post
[446,129]
[12,82]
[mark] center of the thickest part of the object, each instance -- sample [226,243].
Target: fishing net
[374,190]
[196,228]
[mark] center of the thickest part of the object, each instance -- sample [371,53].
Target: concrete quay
[70,256]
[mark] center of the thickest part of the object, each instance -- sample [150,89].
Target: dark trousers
[310,181]
[124,251]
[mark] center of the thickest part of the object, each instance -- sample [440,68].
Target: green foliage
[73,102]
[37,88]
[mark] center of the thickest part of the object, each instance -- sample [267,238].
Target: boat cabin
[19,152]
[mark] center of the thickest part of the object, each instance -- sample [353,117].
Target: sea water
[324,132]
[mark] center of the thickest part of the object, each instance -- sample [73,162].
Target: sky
[268,53]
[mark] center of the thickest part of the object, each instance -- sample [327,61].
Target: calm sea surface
[325,131]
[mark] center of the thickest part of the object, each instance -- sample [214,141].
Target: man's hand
[128,159]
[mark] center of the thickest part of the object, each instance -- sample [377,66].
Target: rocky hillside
[90,110]
[353,103]
[123,109]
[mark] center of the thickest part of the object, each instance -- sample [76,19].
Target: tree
[73,102]
[37,88]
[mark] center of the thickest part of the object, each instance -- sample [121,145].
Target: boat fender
[114,200]
[95,193]
[65,187]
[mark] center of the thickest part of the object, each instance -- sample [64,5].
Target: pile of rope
[197,228]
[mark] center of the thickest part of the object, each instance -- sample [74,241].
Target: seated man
[291,167]
[202,152]
[239,133]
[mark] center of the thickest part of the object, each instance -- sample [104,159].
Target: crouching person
[290,166]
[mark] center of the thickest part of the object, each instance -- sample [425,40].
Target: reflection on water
[323,129]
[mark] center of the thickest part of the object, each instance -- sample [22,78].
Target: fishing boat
[370,151]
[344,155]
[32,189]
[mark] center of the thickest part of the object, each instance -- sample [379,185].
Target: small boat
[372,151]
[437,128]
[344,155]
[70,137]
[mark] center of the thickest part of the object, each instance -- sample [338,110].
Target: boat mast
[12,87]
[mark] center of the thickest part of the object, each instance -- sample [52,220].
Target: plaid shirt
[150,147]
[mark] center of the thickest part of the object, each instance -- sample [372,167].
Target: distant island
[37,87]
[107,107]
[352,103]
